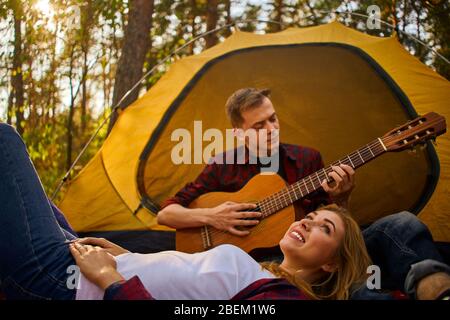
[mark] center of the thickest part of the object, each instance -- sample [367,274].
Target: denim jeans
[34,254]
[403,248]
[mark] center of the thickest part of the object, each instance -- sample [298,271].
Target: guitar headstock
[415,132]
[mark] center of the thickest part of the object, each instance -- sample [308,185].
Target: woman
[324,254]
[324,257]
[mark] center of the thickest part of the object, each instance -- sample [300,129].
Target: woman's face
[312,242]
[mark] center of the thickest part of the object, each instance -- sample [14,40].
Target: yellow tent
[334,88]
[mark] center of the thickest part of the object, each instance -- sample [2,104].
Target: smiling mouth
[298,236]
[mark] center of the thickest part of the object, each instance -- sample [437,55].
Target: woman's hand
[110,247]
[96,264]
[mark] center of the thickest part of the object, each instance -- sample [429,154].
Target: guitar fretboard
[311,183]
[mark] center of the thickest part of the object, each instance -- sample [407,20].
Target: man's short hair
[242,100]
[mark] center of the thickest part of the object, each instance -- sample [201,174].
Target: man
[251,109]
[399,244]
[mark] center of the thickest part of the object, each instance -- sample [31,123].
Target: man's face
[263,118]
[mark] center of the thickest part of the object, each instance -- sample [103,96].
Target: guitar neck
[311,183]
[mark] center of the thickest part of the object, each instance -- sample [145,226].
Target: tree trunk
[151,62]
[86,25]
[227,31]
[17,93]
[192,16]
[211,22]
[311,10]
[71,113]
[419,48]
[437,17]
[278,16]
[84,92]
[10,107]
[394,14]
[135,46]
[404,17]
[49,108]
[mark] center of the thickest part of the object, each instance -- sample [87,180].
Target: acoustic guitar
[274,198]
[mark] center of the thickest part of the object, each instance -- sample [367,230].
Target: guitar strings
[284,196]
[274,202]
[270,205]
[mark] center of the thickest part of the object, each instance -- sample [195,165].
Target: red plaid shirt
[270,289]
[263,289]
[296,162]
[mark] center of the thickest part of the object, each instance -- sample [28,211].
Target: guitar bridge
[206,238]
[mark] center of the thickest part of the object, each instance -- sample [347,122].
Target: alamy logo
[74,17]
[73,280]
[373,21]
[260,146]
[374,280]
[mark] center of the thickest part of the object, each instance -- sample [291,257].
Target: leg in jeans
[396,243]
[63,222]
[33,248]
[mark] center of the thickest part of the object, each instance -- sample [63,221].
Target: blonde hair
[352,261]
[244,99]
